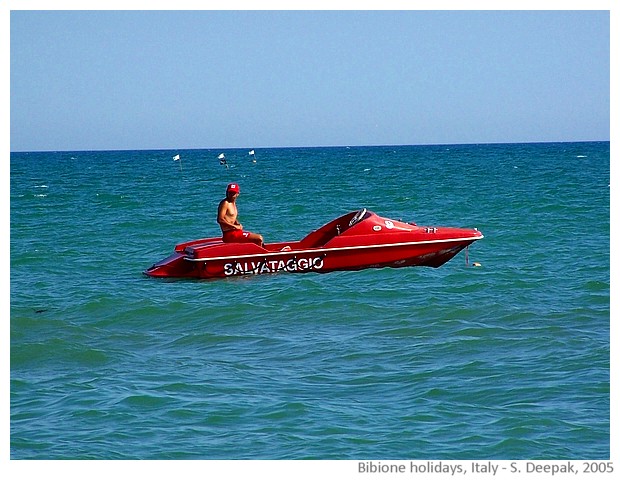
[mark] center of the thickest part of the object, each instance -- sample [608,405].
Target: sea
[501,353]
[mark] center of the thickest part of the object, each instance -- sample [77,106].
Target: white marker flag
[251,152]
[221,156]
[176,157]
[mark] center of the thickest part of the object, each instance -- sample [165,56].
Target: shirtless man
[232,230]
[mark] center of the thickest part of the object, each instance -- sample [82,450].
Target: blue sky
[217,79]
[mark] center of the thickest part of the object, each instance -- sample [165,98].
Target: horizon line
[308,146]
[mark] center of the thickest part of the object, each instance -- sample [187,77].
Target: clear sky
[82,80]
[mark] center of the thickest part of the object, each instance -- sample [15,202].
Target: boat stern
[173,266]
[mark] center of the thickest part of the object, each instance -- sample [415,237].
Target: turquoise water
[509,360]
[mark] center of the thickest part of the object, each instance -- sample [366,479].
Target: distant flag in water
[178,157]
[222,158]
[251,152]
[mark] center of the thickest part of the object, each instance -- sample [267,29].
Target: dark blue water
[509,360]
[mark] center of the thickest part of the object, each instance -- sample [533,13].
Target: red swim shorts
[236,236]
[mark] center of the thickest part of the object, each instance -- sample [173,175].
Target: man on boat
[232,230]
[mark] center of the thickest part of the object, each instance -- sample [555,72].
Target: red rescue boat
[357,240]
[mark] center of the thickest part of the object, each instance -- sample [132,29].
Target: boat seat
[191,249]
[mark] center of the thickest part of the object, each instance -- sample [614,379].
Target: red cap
[232,187]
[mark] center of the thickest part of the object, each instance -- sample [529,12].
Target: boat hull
[377,243]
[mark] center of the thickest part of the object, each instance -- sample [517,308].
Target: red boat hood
[368,228]
[374,224]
